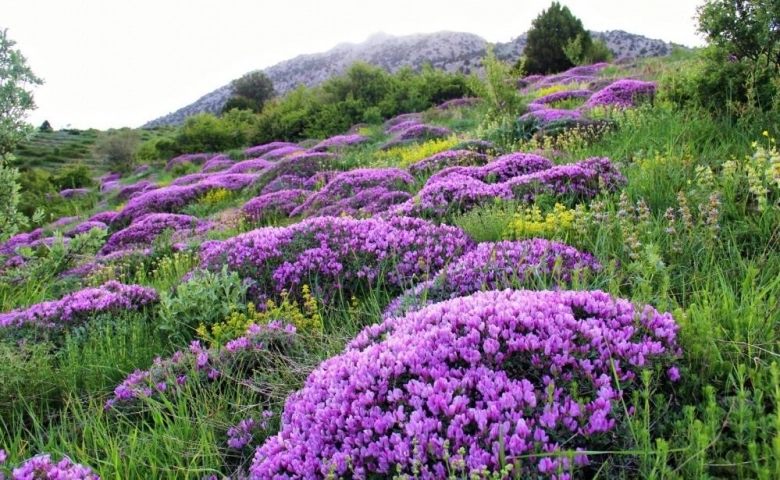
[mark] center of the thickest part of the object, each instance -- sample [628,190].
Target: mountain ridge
[447,50]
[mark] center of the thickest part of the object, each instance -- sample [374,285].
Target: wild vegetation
[563,276]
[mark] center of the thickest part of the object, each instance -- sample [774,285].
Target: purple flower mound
[65,221]
[499,170]
[339,141]
[581,180]
[189,179]
[41,466]
[304,165]
[586,69]
[564,95]
[622,94]
[366,203]
[423,132]
[111,177]
[74,192]
[85,227]
[144,230]
[260,150]
[320,179]
[533,78]
[129,191]
[195,158]
[252,165]
[452,194]
[351,183]
[450,158]
[338,252]
[141,169]
[547,115]
[459,103]
[404,117]
[203,365]
[105,217]
[281,152]
[475,371]
[400,127]
[536,264]
[284,182]
[271,206]
[564,79]
[81,305]
[218,163]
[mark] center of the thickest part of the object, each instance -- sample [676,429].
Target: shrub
[475,379]
[549,35]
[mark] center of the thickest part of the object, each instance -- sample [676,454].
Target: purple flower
[622,94]
[547,115]
[467,372]
[253,165]
[74,192]
[41,466]
[129,191]
[338,142]
[143,231]
[105,217]
[459,103]
[194,158]
[274,205]
[404,117]
[85,227]
[260,150]
[449,158]
[281,152]
[111,177]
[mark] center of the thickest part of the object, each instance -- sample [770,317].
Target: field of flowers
[592,296]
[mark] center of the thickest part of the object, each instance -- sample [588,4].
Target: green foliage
[118,148]
[551,32]
[206,298]
[45,127]
[206,133]
[577,54]
[73,176]
[250,92]
[498,88]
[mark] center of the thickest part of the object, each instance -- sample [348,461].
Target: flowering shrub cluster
[520,176]
[216,164]
[106,217]
[304,165]
[459,103]
[348,184]
[284,182]
[251,165]
[85,227]
[260,150]
[448,158]
[194,158]
[400,127]
[496,266]
[281,152]
[270,206]
[562,95]
[423,132]
[622,93]
[64,221]
[404,117]
[339,141]
[80,305]
[129,191]
[20,240]
[42,466]
[238,358]
[144,230]
[366,203]
[332,253]
[174,198]
[189,179]
[468,375]
[111,177]
[73,192]
[547,115]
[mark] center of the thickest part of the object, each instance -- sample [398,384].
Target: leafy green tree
[744,29]
[15,101]
[250,92]
[45,127]
[118,148]
[549,35]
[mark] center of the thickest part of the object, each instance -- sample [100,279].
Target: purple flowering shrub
[42,466]
[274,205]
[563,95]
[129,191]
[470,374]
[424,132]
[106,217]
[189,179]
[335,253]
[251,165]
[450,158]
[111,177]
[350,183]
[622,94]
[547,115]
[304,165]
[85,227]
[143,231]
[404,117]
[79,306]
[338,142]
[192,158]
[216,164]
[459,103]
[536,264]
[366,203]
[284,182]
[74,192]
[260,150]
[458,189]
[239,359]
[400,127]
[281,152]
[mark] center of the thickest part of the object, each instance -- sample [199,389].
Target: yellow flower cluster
[533,223]
[305,317]
[762,170]
[408,154]
[216,196]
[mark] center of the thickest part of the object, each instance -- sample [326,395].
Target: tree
[45,127]
[549,35]
[15,102]
[254,88]
[744,29]
[118,148]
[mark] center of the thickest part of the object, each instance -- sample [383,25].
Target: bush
[73,176]
[118,149]
[549,35]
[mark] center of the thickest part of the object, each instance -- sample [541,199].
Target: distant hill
[451,51]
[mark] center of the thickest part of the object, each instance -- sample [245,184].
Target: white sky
[111,63]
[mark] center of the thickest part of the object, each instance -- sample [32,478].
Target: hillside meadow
[563,276]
